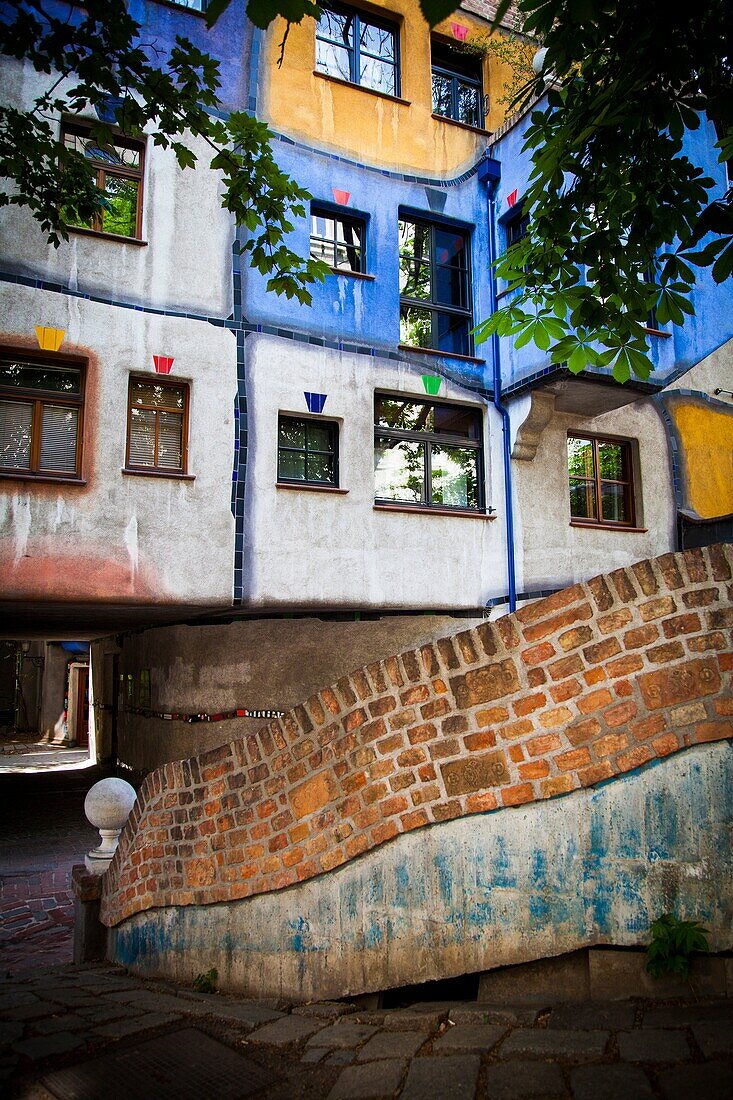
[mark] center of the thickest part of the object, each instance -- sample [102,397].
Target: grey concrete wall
[593,867]
[264,664]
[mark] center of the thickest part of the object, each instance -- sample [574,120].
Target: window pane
[161,397]
[378,75]
[377,40]
[119,155]
[333,60]
[142,437]
[580,458]
[611,458]
[454,477]
[451,420]
[442,101]
[469,104]
[291,433]
[323,250]
[349,232]
[451,287]
[321,226]
[16,422]
[59,428]
[122,196]
[291,465]
[613,503]
[399,470]
[170,441]
[337,27]
[414,240]
[413,416]
[347,258]
[38,377]
[320,437]
[453,334]
[416,327]
[414,279]
[320,468]
[450,248]
[582,499]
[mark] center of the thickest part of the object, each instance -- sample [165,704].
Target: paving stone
[392,1044]
[30,1011]
[43,1046]
[653,1045]
[289,1029]
[66,1022]
[711,1081]
[102,1014]
[243,1012]
[688,1015]
[367,1082]
[517,1080]
[581,1046]
[714,1038]
[415,1018]
[8,1063]
[118,1029]
[344,1035]
[449,1077]
[340,1058]
[325,1010]
[478,1038]
[592,1016]
[72,998]
[512,1016]
[16,999]
[610,1083]
[314,1054]
[9,1032]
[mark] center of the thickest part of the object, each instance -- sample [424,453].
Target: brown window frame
[629,487]
[102,169]
[167,383]
[39,398]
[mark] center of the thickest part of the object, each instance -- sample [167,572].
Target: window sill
[658,332]
[441,354]
[47,479]
[173,474]
[310,487]
[362,88]
[608,527]
[353,274]
[423,510]
[463,125]
[80,229]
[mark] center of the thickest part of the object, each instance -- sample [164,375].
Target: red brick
[529,703]
[435,708]
[718,563]
[681,624]
[566,689]
[648,727]
[581,732]
[622,583]
[641,636]
[354,720]
[634,758]
[595,700]
[645,577]
[567,666]
[542,608]
[464,641]
[485,684]
[381,769]
[392,669]
[475,773]
[411,758]
[545,743]
[623,688]
[418,694]
[665,745]
[480,803]
[696,566]
[609,624]
[419,734]
[428,793]
[457,723]
[414,820]
[427,773]
[507,632]
[711,731]
[701,597]
[384,832]
[446,811]
[725,660]
[719,620]
[624,666]
[382,706]
[571,639]
[476,741]
[391,807]
[540,630]
[668,566]
[441,749]
[536,677]
[595,773]
[486,634]
[516,753]
[491,717]
[402,781]
[516,729]
[516,796]
[535,769]
[723,706]
[663,654]
[610,744]
[595,654]
[601,593]
[376,674]
[559,784]
[559,716]
[655,609]
[538,654]
[571,761]
[372,730]
[401,719]
[448,653]
[620,714]
[594,676]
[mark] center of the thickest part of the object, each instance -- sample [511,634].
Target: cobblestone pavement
[95,1031]
[42,834]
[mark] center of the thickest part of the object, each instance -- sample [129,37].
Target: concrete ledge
[90,935]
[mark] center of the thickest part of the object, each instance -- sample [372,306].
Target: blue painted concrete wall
[594,867]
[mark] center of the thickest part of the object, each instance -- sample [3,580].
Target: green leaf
[435,11]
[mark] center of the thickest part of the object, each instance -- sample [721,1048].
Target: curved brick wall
[588,684]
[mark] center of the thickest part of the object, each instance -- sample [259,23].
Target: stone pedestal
[90,935]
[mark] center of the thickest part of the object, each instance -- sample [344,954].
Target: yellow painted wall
[706,437]
[375,129]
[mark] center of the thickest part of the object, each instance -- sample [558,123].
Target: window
[427,454]
[119,174]
[601,483]
[41,407]
[516,227]
[157,426]
[338,240]
[194,5]
[457,85]
[307,451]
[359,48]
[435,287]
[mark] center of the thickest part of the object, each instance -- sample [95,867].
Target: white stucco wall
[309,549]
[138,539]
[551,553]
[713,372]
[186,261]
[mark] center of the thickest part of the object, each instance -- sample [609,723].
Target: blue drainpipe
[489,172]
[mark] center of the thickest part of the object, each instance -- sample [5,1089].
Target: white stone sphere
[108,803]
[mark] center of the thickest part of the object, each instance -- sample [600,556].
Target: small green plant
[673,942]
[206,983]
